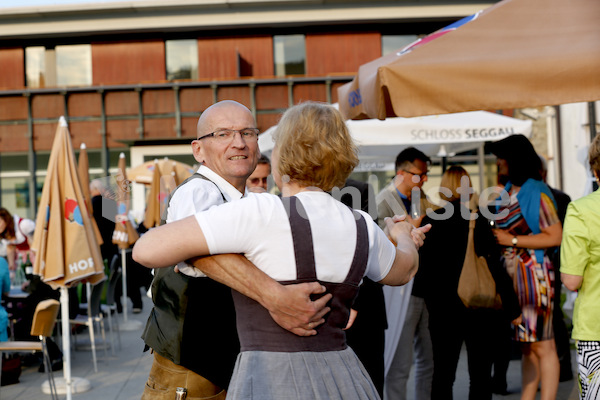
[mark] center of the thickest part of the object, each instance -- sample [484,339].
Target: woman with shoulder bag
[529,228]
[450,322]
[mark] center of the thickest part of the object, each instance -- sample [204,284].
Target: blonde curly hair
[315,146]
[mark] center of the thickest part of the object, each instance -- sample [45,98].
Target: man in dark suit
[366,336]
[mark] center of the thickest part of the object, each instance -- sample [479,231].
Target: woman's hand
[353,314]
[504,238]
[517,321]
[400,226]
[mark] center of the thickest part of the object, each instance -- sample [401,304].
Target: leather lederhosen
[192,322]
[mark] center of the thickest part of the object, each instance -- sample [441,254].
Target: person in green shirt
[580,271]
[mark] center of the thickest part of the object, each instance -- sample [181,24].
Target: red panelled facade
[128,62]
[130,99]
[340,52]
[235,57]
[12,68]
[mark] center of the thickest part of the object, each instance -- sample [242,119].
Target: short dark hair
[264,160]
[409,155]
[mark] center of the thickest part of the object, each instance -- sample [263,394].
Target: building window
[69,65]
[390,43]
[35,66]
[289,54]
[74,65]
[182,59]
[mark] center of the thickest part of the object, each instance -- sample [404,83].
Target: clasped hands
[399,225]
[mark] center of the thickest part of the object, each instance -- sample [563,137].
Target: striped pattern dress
[533,279]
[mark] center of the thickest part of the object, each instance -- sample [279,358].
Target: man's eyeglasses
[226,135]
[421,176]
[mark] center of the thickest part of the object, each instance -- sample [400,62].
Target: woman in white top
[304,236]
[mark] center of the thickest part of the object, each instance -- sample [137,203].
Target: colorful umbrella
[143,173]
[65,243]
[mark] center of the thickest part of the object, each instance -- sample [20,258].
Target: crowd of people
[518,237]
[306,317]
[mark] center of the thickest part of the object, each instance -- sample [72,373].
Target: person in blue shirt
[4,289]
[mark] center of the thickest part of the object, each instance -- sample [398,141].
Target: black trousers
[449,330]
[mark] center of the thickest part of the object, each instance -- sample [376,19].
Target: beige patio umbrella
[64,240]
[155,199]
[83,167]
[124,235]
[515,54]
[143,173]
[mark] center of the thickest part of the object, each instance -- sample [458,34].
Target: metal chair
[44,319]
[110,307]
[93,317]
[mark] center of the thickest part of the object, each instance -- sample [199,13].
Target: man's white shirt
[200,195]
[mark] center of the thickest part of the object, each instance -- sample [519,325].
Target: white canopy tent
[435,135]
[440,135]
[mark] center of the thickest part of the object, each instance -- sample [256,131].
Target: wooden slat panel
[265,121]
[121,130]
[195,100]
[240,94]
[84,105]
[188,127]
[334,91]
[12,68]
[48,106]
[309,91]
[218,57]
[13,138]
[269,97]
[43,136]
[159,128]
[121,103]
[128,62]
[13,108]
[340,52]
[158,101]
[87,132]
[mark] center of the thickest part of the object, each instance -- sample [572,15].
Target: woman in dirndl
[306,235]
[528,231]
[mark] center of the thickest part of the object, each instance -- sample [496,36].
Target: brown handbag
[476,286]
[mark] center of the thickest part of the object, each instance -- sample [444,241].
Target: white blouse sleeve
[382,252]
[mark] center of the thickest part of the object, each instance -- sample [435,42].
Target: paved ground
[119,377]
[122,377]
[566,390]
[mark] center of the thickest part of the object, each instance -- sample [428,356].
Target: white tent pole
[66,339]
[124,282]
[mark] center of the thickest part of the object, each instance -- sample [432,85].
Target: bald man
[191,328]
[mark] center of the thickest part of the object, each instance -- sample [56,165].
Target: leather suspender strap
[303,243]
[302,238]
[361,253]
